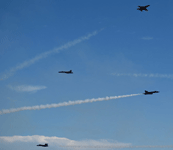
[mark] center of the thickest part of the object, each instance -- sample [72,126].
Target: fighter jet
[45,145]
[68,72]
[141,8]
[147,93]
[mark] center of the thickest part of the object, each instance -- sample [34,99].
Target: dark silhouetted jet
[141,8]
[45,145]
[147,93]
[68,72]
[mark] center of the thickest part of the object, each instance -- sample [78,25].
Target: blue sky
[131,42]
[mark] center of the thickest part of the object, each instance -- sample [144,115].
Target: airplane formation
[141,8]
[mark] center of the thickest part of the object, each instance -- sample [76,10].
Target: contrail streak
[46,54]
[109,147]
[5,111]
[170,76]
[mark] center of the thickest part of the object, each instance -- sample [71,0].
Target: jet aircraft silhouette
[68,72]
[45,145]
[147,93]
[141,8]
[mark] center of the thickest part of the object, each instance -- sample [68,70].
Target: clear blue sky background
[28,28]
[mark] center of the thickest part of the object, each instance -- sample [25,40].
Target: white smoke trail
[170,76]
[5,111]
[46,54]
[26,88]
[128,146]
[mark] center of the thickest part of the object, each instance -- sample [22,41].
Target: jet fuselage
[45,145]
[68,72]
[149,93]
[141,8]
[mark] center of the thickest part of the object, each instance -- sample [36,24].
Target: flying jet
[45,145]
[147,93]
[141,8]
[68,72]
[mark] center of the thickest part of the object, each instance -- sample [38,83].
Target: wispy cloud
[151,75]
[147,38]
[119,146]
[46,54]
[65,143]
[38,107]
[59,141]
[26,88]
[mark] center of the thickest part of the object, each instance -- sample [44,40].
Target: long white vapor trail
[5,111]
[46,54]
[170,76]
[123,146]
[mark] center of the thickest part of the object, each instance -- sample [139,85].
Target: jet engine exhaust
[35,59]
[38,107]
[169,76]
